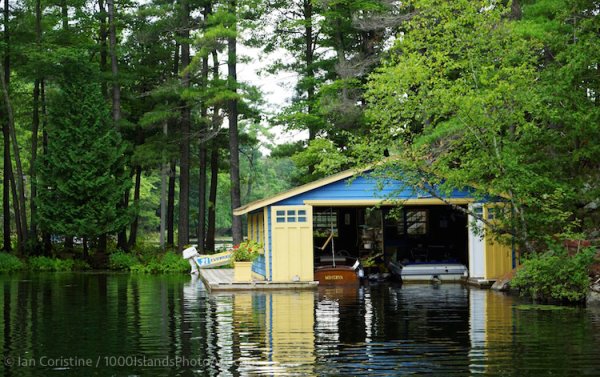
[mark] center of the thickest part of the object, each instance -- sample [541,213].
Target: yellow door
[292,248]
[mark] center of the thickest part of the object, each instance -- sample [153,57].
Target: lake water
[94,324]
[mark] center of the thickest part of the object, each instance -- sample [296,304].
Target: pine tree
[80,179]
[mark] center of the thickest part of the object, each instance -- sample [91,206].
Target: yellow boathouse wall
[498,253]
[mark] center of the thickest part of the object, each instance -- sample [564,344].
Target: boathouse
[368,217]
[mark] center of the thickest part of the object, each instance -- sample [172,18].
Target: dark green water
[125,325]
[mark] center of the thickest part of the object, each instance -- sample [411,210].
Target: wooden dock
[221,279]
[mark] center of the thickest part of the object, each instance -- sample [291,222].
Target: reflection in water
[127,324]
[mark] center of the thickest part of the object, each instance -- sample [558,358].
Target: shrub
[555,275]
[9,262]
[81,265]
[120,260]
[165,263]
[50,264]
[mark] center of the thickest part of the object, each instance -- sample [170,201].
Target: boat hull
[433,271]
[339,275]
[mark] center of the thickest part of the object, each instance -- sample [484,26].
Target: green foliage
[324,156]
[162,263]
[9,263]
[82,172]
[120,260]
[50,264]
[148,259]
[473,95]
[555,275]
[246,251]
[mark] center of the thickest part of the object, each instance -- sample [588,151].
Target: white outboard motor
[358,267]
[189,254]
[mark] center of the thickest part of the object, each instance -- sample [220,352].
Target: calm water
[125,325]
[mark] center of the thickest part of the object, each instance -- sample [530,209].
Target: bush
[51,264]
[120,260]
[165,263]
[9,262]
[81,265]
[555,275]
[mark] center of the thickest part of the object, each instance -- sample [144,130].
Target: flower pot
[242,271]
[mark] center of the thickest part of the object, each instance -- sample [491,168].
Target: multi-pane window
[290,216]
[414,223]
[324,222]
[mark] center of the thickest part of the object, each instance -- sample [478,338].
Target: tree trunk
[86,253]
[116,89]
[69,243]
[64,13]
[212,198]
[184,151]
[116,103]
[7,178]
[15,203]
[103,35]
[202,155]
[47,239]
[310,74]
[202,198]
[136,201]
[102,242]
[234,158]
[171,206]
[35,126]
[21,213]
[214,167]
[515,10]
[172,169]
[163,194]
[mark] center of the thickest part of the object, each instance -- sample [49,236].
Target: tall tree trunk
[136,201]
[214,167]
[515,10]
[116,88]
[163,193]
[7,243]
[64,13]
[69,243]
[35,125]
[17,212]
[202,197]
[172,169]
[18,179]
[102,36]
[310,72]
[116,103]
[184,151]
[21,213]
[102,40]
[47,239]
[202,154]
[7,173]
[86,253]
[102,243]
[212,198]
[7,178]
[234,158]
[171,205]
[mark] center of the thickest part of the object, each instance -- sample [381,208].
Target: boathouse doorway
[409,234]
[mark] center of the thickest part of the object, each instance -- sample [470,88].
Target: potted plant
[243,255]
